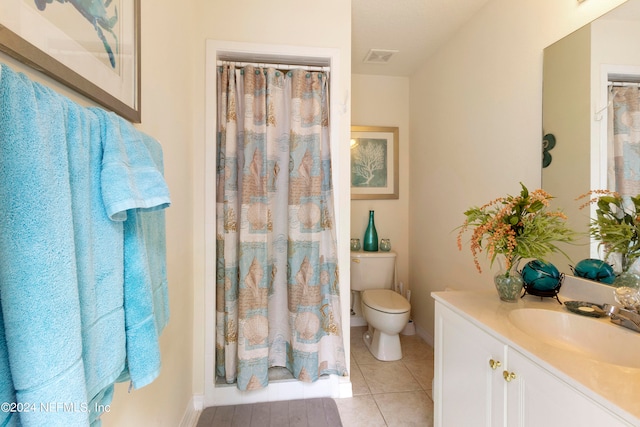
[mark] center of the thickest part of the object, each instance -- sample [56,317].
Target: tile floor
[389,393]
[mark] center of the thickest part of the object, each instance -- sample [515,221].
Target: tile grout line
[413,357]
[379,409]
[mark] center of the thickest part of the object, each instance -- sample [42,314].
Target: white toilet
[386,311]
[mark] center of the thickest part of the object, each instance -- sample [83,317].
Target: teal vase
[370,242]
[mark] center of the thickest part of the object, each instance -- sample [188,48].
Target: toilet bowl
[386,313]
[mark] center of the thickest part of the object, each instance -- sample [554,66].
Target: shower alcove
[281,386]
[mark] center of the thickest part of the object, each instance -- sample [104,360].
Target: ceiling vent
[379,56]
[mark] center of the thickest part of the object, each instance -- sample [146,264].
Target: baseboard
[229,394]
[192,412]
[427,337]
[345,388]
[357,321]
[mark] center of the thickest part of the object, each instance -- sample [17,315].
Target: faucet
[625,317]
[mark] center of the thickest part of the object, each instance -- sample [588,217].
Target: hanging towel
[130,176]
[38,274]
[134,191]
[7,392]
[143,351]
[75,316]
[155,241]
[99,259]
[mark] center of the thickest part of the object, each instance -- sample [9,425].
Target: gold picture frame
[374,162]
[98,58]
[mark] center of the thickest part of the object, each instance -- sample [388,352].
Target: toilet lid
[385,300]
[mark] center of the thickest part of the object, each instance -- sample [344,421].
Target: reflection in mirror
[577,74]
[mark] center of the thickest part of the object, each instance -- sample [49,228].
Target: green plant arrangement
[616,224]
[516,227]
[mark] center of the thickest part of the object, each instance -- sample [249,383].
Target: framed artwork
[90,46]
[374,162]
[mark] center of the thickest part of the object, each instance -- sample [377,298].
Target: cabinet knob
[494,364]
[508,376]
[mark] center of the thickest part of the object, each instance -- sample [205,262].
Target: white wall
[476,132]
[384,101]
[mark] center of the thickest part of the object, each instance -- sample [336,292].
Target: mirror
[576,71]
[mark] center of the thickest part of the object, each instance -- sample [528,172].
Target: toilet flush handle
[357,261]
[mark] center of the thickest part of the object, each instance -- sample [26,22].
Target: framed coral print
[374,162]
[91,46]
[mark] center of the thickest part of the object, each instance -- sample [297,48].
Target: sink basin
[597,339]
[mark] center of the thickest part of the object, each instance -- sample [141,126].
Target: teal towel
[155,241]
[39,294]
[83,289]
[130,176]
[99,259]
[134,190]
[7,392]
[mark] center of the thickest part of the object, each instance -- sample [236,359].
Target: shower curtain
[277,292]
[624,140]
[623,147]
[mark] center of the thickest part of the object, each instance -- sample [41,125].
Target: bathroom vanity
[531,363]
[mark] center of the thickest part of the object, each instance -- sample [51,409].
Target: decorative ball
[595,269]
[541,276]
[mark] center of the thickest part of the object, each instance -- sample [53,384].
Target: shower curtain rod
[622,84]
[276,66]
[614,83]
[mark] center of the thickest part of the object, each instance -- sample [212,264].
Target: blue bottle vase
[370,241]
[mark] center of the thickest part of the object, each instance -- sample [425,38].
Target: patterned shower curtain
[277,297]
[624,140]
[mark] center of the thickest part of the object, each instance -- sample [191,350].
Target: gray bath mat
[320,412]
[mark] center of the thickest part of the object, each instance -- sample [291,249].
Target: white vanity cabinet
[468,388]
[538,398]
[481,381]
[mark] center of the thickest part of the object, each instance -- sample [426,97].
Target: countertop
[615,387]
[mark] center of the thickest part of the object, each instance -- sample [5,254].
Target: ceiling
[413,28]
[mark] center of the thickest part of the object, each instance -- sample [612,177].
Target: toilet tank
[372,270]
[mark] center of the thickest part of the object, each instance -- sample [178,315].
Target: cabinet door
[538,398]
[467,391]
